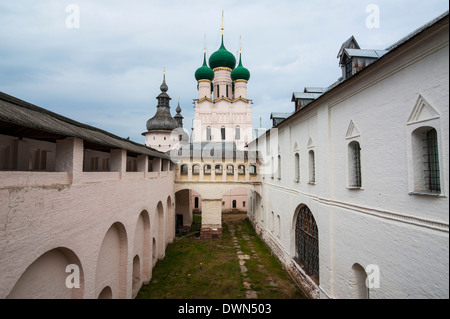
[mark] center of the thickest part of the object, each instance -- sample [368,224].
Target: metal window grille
[431,161]
[307,242]
[357,164]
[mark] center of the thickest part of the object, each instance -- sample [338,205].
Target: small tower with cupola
[159,128]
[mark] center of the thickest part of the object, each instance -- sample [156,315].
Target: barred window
[307,242]
[354,164]
[431,162]
[426,160]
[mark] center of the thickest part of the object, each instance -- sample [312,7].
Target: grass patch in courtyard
[220,277]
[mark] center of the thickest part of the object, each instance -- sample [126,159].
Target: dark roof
[163,120]
[347,43]
[23,119]
[279,115]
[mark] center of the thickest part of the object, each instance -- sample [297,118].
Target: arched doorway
[359,287]
[161,242]
[136,276]
[307,243]
[111,269]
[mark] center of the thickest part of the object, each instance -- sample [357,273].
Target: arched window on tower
[184,169]
[222,131]
[196,169]
[208,133]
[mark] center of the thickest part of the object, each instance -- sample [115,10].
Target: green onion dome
[222,58]
[240,73]
[204,72]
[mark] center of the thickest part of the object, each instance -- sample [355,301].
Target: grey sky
[107,73]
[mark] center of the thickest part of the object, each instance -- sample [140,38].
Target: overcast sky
[107,72]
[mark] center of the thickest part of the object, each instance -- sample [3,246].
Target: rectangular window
[222,131]
[312,167]
[297,167]
[354,164]
[238,133]
[348,69]
[433,162]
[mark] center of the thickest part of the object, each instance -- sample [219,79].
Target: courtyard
[236,266]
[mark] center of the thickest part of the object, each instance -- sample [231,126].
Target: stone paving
[249,293]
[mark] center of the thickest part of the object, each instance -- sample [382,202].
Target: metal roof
[23,119]
[314,90]
[279,115]
[365,53]
[306,96]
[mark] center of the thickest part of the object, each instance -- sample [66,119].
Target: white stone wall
[101,221]
[162,141]
[225,114]
[384,222]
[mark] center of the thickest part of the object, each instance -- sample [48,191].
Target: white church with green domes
[222,111]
